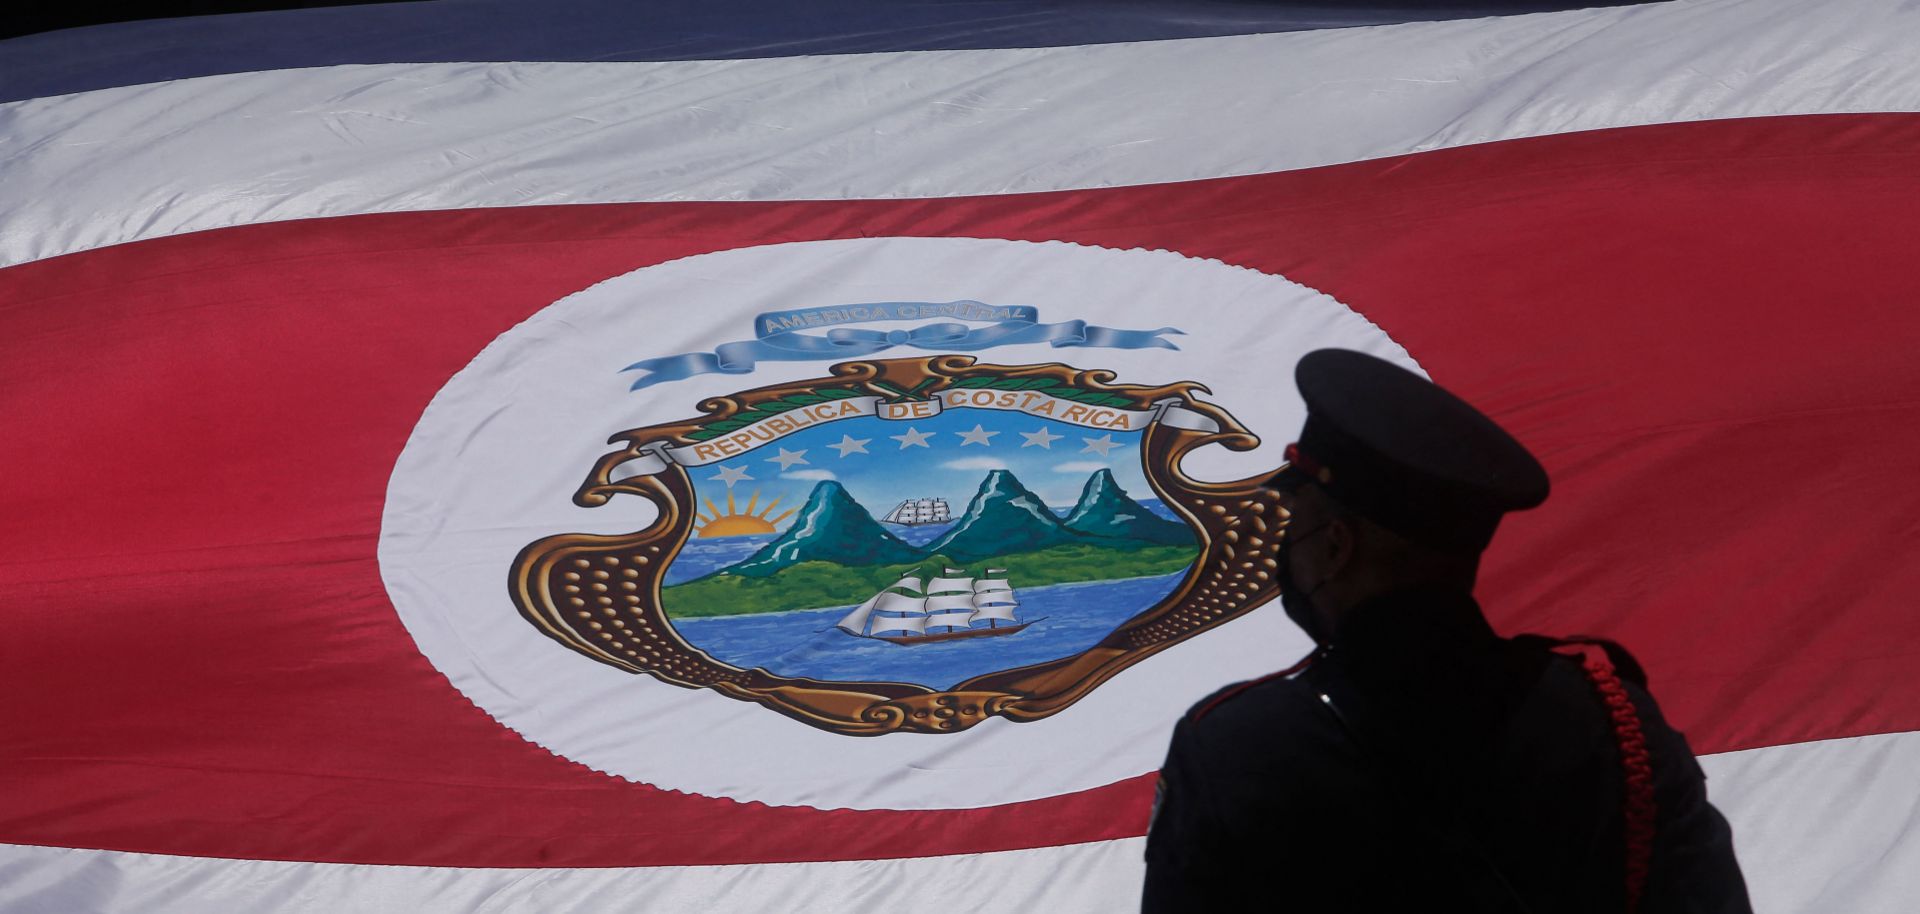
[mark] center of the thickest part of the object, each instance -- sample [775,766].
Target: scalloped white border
[496,455]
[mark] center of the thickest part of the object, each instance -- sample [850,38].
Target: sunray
[711,521]
[783,516]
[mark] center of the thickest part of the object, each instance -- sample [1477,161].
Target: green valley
[807,585]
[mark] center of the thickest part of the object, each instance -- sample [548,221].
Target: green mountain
[1105,510]
[1003,518]
[830,527]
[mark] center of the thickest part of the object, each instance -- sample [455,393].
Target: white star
[979,435]
[913,438]
[1100,445]
[731,475]
[851,445]
[1041,438]
[787,458]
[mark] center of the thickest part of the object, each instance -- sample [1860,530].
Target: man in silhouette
[1417,761]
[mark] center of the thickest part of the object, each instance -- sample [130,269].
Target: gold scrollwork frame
[600,595]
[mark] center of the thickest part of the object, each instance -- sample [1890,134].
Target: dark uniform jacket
[1447,769]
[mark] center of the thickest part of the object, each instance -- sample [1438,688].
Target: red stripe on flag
[1705,330]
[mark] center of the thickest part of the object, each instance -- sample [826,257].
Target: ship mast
[950,600]
[993,598]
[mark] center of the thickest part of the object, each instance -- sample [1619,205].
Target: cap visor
[1289,479]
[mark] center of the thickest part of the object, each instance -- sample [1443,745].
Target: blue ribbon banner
[780,341]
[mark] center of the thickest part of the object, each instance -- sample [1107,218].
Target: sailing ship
[945,610]
[916,511]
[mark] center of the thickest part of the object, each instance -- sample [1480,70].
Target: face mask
[1297,603]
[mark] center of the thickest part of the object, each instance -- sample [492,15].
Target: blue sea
[1073,617]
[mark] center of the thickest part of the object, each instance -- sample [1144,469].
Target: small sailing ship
[916,511]
[945,610]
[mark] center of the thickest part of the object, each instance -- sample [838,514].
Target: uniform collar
[1413,622]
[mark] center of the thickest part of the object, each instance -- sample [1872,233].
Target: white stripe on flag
[1825,826]
[1101,876]
[1819,827]
[149,161]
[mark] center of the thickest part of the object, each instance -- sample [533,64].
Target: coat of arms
[911,544]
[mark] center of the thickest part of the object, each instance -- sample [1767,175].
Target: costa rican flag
[331,340]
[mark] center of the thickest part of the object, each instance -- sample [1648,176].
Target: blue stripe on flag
[134,53]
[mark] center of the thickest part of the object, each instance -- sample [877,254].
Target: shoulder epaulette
[1231,691]
[1623,661]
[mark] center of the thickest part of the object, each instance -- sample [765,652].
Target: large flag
[719,458]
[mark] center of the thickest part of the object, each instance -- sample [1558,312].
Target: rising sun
[735,522]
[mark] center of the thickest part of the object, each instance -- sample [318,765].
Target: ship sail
[911,625]
[950,600]
[901,607]
[855,623]
[993,598]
